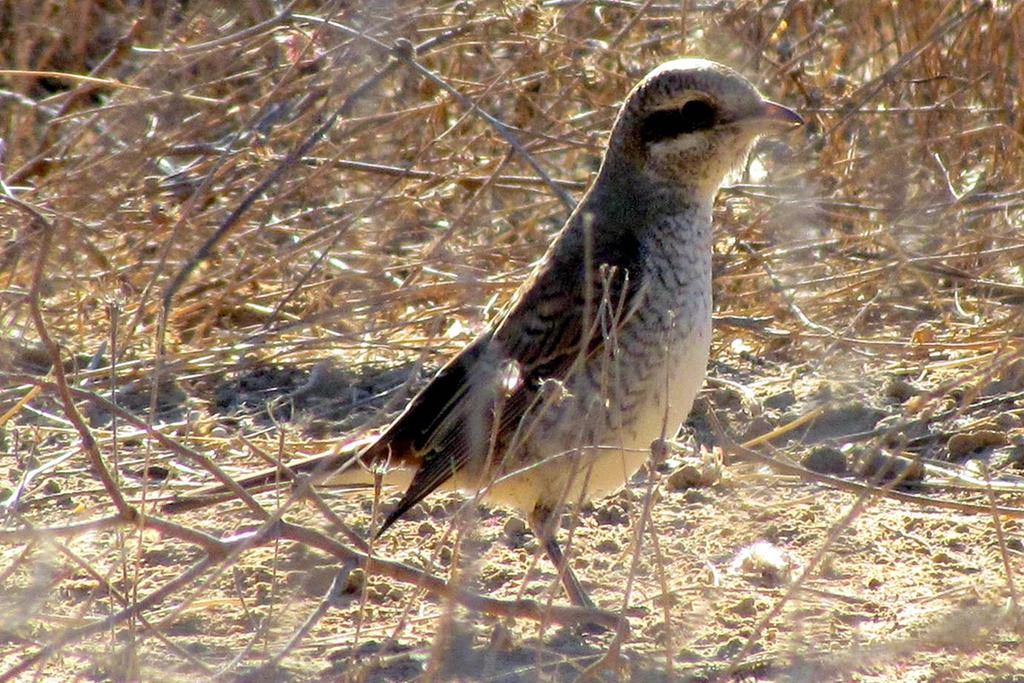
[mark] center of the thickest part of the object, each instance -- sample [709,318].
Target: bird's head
[690,122]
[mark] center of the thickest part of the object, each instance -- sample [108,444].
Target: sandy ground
[743,572]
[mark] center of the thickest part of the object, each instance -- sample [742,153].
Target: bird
[603,349]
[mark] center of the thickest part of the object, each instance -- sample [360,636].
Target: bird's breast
[662,350]
[638,387]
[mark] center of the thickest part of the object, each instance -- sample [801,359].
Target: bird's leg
[541,523]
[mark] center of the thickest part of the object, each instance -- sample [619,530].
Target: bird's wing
[444,426]
[548,329]
[436,409]
[569,308]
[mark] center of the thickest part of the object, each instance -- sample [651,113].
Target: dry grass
[298,191]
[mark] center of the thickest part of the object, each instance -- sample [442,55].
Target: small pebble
[695,497]
[1008,420]
[515,528]
[781,400]
[900,390]
[889,467]
[747,607]
[684,478]
[964,443]
[825,460]
[923,334]
[767,563]
[706,471]
[612,514]
[759,426]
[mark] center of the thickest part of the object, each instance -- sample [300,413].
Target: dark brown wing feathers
[543,333]
[546,330]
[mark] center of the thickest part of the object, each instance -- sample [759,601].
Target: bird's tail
[352,464]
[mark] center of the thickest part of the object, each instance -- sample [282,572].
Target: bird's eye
[667,123]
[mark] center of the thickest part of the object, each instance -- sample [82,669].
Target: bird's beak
[774,115]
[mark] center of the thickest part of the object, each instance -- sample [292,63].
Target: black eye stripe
[667,123]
